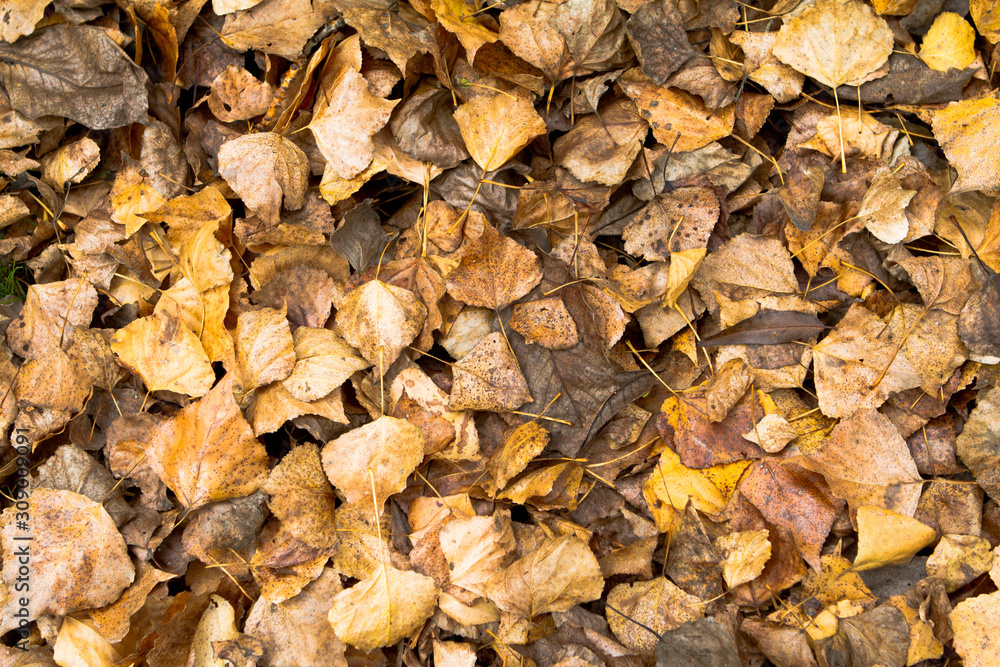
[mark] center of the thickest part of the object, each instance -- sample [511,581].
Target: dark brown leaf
[768,327]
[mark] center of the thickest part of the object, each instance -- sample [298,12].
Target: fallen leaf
[383,608]
[301,497]
[323,361]
[165,355]
[672,485]
[560,573]
[78,72]
[206,452]
[677,118]
[965,131]
[743,556]
[948,43]
[496,127]
[772,433]
[835,42]
[882,209]
[237,94]
[886,538]
[958,559]
[281,27]
[375,458]
[972,621]
[78,557]
[459,18]
[380,320]
[267,170]
[987,18]
[488,377]
[768,327]
[264,347]
[656,32]
[976,443]
[545,322]
[657,604]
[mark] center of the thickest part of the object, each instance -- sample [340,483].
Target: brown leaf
[658,604]
[237,95]
[165,355]
[882,208]
[78,72]
[206,452]
[266,170]
[656,32]
[488,378]
[281,27]
[965,130]
[672,222]
[768,327]
[835,42]
[78,558]
[495,271]
[602,147]
[676,116]
[977,442]
[301,496]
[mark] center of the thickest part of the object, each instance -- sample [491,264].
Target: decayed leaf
[545,322]
[768,327]
[301,496]
[70,163]
[656,32]
[165,355]
[835,42]
[375,458]
[495,271]
[78,72]
[383,608]
[238,95]
[967,131]
[380,320]
[323,361]
[658,604]
[602,147]
[560,573]
[78,559]
[986,14]
[676,116]
[281,27]
[495,127]
[973,621]
[948,43]
[744,555]
[882,209]
[266,170]
[958,559]
[489,378]
[206,452]
[886,538]
[977,442]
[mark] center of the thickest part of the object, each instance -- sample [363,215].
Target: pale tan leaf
[883,208]
[489,378]
[323,361]
[380,320]
[383,608]
[266,170]
[389,448]
[968,131]
[743,555]
[264,348]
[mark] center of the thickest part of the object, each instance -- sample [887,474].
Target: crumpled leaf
[383,608]
[496,127]
[656,32]
[77,72]
[78,558]
[560,573]
[281,27]
[238,95]
[882,209]
[266,170]
[206,452]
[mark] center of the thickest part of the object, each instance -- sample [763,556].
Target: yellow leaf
[969,134]
[986,14]
[744,555]
[683,264]
[383,608]
[949,44]
[886,538]
[495,127]
[975,621]
[458,17]
[672,484]
[164,354]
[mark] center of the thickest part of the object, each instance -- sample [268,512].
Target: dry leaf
[743,556]
[165,355]
[383,608]
[496,127]
[323,361]
[483,278]
[882,209]
[560,573]
[973,621]
[380,320]
[264,348]
[967,130]
[206,452]
[886,538]
[836,42]
[772,433]
[266,170]
[676,116]
[948,43]
[986,14]
[78,558]
[375,458]
[489,378]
